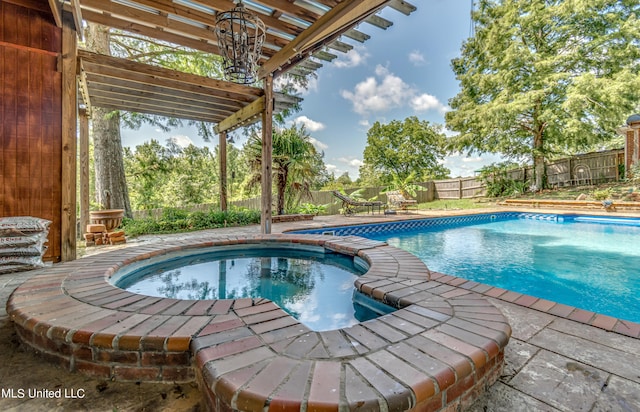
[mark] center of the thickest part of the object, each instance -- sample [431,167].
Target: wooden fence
[460,188]
[587,169]
[333,204]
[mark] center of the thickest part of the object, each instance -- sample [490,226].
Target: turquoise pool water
[586,262]
[315,288]
[590,262]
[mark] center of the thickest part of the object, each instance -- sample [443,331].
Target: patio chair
[349,204]
[398,201]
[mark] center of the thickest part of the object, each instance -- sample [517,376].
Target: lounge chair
[398,201]
[349,204]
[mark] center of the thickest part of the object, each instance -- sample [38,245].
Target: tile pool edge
[248,353]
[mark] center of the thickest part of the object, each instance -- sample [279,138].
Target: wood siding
[30,117]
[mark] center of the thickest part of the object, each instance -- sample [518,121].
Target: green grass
[455,204]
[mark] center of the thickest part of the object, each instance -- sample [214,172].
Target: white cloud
[386,91]
[449,132]
[310,125]
[472,159]
[312,85]
[425,102]
[351,161]
[318,144]
[373,95]
[353,58]
[417,58]
[181,140]
[330,167]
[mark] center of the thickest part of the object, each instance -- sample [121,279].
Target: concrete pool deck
[553,362]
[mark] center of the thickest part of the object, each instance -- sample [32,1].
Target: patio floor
[554,361]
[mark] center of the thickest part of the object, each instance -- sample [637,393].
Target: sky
[399,72]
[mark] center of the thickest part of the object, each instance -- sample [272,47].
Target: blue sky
[399,72]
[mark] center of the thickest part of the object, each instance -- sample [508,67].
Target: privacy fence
[586,169]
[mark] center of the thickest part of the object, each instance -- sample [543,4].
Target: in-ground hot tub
[441,347]
[301,279]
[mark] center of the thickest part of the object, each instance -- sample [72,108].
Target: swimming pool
[589,262]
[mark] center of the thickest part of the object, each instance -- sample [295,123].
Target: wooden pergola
[299,36]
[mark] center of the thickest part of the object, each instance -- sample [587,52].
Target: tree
[110,183]
[147,170]
[398,150]
[296,164]
[541,76]
[173,176]
[194,177]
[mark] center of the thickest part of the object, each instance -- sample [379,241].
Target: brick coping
[441,349]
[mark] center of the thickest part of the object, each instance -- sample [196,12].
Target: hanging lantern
[241,34]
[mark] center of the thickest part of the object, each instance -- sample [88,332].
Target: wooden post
[571,177]
[69,145]
[267,150]
[84,169]
[222,149]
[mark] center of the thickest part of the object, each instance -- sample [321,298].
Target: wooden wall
[30,115]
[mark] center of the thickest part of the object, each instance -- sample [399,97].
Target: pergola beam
[241,116]
[140,70]
[56,10]
[76,10]
[333,23]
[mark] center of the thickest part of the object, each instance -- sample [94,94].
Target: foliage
[369,177]
[399,149]
[146,169]
[297,165]
[405,186]
[634,172]
[161,176]
[498,183]
[177,220]
[310,208]
[448,204]
[602,194]
[341,182]
[545,76]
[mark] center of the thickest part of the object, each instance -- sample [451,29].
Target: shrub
[177,220]
[311,209]
[602,194]
[635,173]
[498,183]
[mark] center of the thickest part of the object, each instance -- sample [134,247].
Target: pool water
[315,288]
[591,266]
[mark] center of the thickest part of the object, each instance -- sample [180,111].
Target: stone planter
[111,218]
[291,218]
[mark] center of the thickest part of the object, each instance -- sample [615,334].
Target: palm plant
[296,164]
[405,185]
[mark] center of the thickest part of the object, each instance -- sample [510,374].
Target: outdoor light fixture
[241,34]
